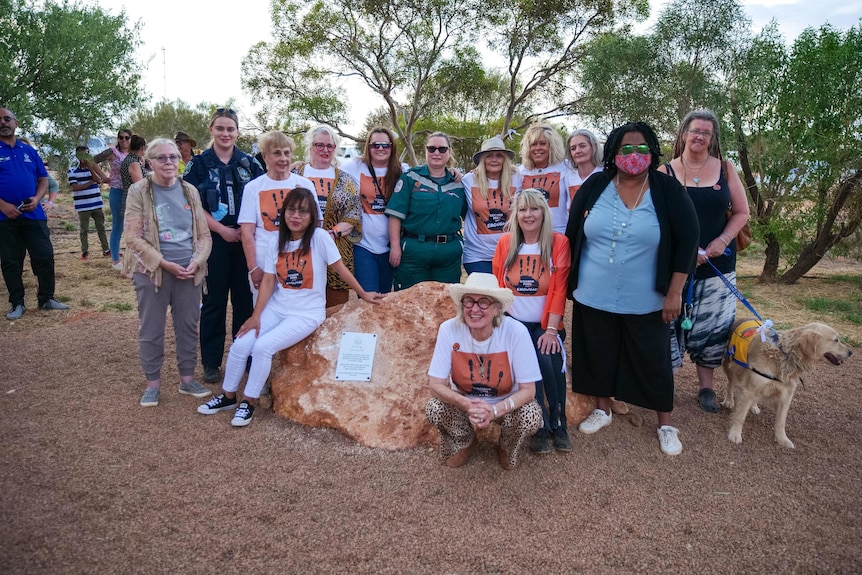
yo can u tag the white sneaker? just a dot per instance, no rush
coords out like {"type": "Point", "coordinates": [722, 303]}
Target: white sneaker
{"type": "Point", "coordinates": [118, 266]}
{"type": "Point", "coordinates": [668, 438]}
{"type": "Point", "coordinates": [595, 421]}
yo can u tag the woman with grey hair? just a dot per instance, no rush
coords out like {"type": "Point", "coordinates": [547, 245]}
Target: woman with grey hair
{"type": "Point", "coordinates": [168, 242]}
{"type": "Point", "coordinates": [714, 187]}
{"type": "Point", "coordinates": [583, 159]}
{"type": "Point", "coordinates": [338, 198]}
{"type": "Point", "coordinates": [484, 369]}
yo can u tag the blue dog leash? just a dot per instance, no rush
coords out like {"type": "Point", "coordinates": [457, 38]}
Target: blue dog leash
{"type": "Point", "coordinates": [686, 323]}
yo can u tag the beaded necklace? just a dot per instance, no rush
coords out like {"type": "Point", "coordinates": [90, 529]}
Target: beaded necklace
{"type": "Point", "coordinates": [616, 232]}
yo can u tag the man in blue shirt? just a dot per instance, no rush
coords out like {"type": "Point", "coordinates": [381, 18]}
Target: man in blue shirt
{"type": "Point", "coordinates": [23, 223]}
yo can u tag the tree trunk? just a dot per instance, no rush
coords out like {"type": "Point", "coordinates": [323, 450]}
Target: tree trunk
{"type": "Point", "coordinates": [769, 272]}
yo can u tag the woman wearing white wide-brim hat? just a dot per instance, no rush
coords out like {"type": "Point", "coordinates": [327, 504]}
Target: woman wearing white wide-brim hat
{"type": "Point", "coordinates": [484, 369]}
{"type": "Point", "coordinates": [489, 189]}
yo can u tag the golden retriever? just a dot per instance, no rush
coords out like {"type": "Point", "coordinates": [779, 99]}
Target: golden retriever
{"type": "Point", "coordinates": [774, 370]}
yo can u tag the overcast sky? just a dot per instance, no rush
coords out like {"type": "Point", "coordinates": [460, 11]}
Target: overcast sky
{"type": "Point", "coordinates": [204, 44]}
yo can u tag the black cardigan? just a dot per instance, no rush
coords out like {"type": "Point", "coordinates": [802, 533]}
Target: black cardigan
{"type": "Point", "coordinates": [677, 248]}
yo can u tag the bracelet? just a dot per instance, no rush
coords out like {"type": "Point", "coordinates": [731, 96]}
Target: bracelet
{"type": "Point", "coordinates": [511, 404]}
{"type": "Point", "coordinates": [723, 237]}
{"type": "Point", "coordinates": [495, 410]}
{"type": "Point", "coordinates": [552, 328]}
{"type": "Point", "coordinates": [254, 269]}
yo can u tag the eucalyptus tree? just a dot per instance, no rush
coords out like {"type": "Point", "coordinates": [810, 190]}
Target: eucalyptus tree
{"type": "Point", "coordinates": [68, 68]}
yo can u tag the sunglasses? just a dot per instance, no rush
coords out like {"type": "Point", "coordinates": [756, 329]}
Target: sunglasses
{"type": "Point", "coordinates": [124, 137]}
{"type": "Point", "coordinates": [7, 118]}
{"type": "Point", "coordinates": [172, 158]}
{"type": "Point", "coordinates": [321, 146]}
{"type": "Point", "coordinates": [230, 111]}
{"type": "Point", "coordinates": [629, 149]}
{"type": "Point", "coordinates": [380, 146]}
{"type": "Point", "coordinates": [438, 149]}
{"type": "Point", "coordinates": [482, 302]}
{"type": "Point", "coordinates": [294, 211]}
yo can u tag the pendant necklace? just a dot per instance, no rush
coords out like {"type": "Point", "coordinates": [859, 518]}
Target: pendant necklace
{"type": "Point", "coordinates": [695, 178]}
{"type": "Point", "coordinates": [483, 363]}
{"type": "Point", "coordinates": [616, 233]}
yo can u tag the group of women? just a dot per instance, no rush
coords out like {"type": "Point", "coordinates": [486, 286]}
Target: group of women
{"type": "Point", "coordinates": [638, 235]}
{"type": "Point", "coordinates": [616, 232]}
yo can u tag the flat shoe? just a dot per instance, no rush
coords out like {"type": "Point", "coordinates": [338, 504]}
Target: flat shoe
{"type": "Point", "coordinates": [708, 402]}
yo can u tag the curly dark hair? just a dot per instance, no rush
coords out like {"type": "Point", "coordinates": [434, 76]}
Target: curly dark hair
{"type": "Point", "coordinates": [613, 144]}
{"type": "Point", "coordinates": [299, 199]}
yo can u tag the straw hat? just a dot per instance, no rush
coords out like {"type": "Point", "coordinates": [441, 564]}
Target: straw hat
{"type": "Point", "coordinates": [479, 283]}
{"type": "Point", "coordinates": [494, 144]}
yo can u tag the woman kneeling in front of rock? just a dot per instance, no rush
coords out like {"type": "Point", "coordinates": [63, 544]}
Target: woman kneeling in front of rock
{"type": "Point", "coordinates": [484, 369]}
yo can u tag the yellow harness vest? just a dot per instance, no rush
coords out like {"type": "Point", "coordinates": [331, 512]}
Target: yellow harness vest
{"type": "Point", "coordinates": [740, 339]}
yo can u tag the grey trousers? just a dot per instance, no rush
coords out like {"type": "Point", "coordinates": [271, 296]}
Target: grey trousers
{"type": "Point", "coordinates": [184, 298]}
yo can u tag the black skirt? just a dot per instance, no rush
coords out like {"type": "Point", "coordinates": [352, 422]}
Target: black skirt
{"type": "Point", "coordinates": [623, 356]}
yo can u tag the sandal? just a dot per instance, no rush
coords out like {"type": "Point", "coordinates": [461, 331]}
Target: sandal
{"type": "Point", "coordinates": [707, 400]}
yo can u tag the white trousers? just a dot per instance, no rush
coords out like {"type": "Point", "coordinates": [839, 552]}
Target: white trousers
{"type": "Point", "coordinates": [277, 332]}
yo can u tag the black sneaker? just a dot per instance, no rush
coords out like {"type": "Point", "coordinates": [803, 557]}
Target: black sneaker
{"type": "Point", "coordinates": [211, 374]}
{"type": "Point", "coordinates": [216, 404]}
{"type": "Point", "coordinates": [243, 414]}
{"type": "Point", "coordinates": [561, 440]}
{"type": "Point", "coordinates": [541, 442]}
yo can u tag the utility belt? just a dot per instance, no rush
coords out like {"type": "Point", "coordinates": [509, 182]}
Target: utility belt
{"type": "Point", "coordinates": [438, 239]}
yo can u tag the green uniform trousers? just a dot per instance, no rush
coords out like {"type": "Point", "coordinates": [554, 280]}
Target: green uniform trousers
{"type": "Point", "coordinates": [427, 261]}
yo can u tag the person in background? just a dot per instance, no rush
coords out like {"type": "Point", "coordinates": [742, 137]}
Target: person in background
{"type": "Point", "coordinates": [425, 213]}
{"type": "Point", "coordinates": [543, 168]}
{"type": "Point", "coordinates": [262, 200]}
{"type": "Point", "coordinates": [533, 262]}
{"type": "Point", "coordinates": [84, 181]}
{"type": "Point", "coordinates": [23, 223]}
{"type": "Point", "coordinates": [377, 171]}
{"type": "Point", "coordinates": [291, 303]}
{"type": "Point", "coordinates": [339, 201]}
{"type": "Point", "coordinates": [712, 184]}
{"type": "Point", "coordinates": [220, 174]}
{"type": "Point", "coordinates": [167, 246]}
{"type": "Point", "coordinates": [186, 146]}
{"type": "Point", "coordinates": [584, 158]}
{"type": "Point", "coordinates": [115, 156]}
{"type": "Point", "coordinates": [633, 232]}
{"type": "Point", "coordinates": [489, 190]}
{"type": "Point", "coordinates": [483, 370]}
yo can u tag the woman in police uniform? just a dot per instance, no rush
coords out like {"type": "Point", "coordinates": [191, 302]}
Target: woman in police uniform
{"type": "Point", "coordinates": [220, 174]}
{"type": "Point", "coordinates": [425, 213]}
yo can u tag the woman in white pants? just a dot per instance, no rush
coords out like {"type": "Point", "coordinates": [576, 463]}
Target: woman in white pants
{"type": "Point", "coordinates": [291, 303]}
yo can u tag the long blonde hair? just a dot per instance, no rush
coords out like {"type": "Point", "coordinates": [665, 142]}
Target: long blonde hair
{"type": "Point", "coordinates": [529, 198]}
{"type": "Point", "coordinates": [504, 183]}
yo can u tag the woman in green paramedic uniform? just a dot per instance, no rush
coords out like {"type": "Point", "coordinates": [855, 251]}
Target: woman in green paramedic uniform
{"type": "Point", "coordinates": [425, 214]}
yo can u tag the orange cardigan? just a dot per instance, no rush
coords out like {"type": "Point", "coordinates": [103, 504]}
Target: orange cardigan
{"type": "Point", "coordinates": [561, 260]}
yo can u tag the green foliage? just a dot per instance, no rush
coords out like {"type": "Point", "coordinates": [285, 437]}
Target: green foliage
{"type": "Point", "coordinates": [166, 118]}
{"type": "Point", "coordinates": [70, 66]}
{"type": "Point", "coordinates": [541, 43]}
{"type": "Point", "coordinates": [849, 310]}
{"type": "Point", "coordinates": [803, 138]}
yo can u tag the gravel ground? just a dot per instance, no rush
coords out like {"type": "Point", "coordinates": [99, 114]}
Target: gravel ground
{"type": "Point", "coordinates": [94, 483]}
{"type": "Point", "coordinates": [90, 482]}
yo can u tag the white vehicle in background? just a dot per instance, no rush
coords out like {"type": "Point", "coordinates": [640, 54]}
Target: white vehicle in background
{"type": "Point", "coordinates": [347, 152]}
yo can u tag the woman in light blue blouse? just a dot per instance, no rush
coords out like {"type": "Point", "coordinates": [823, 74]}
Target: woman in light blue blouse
{"type": "Point", "coordinates": [633, 233]}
